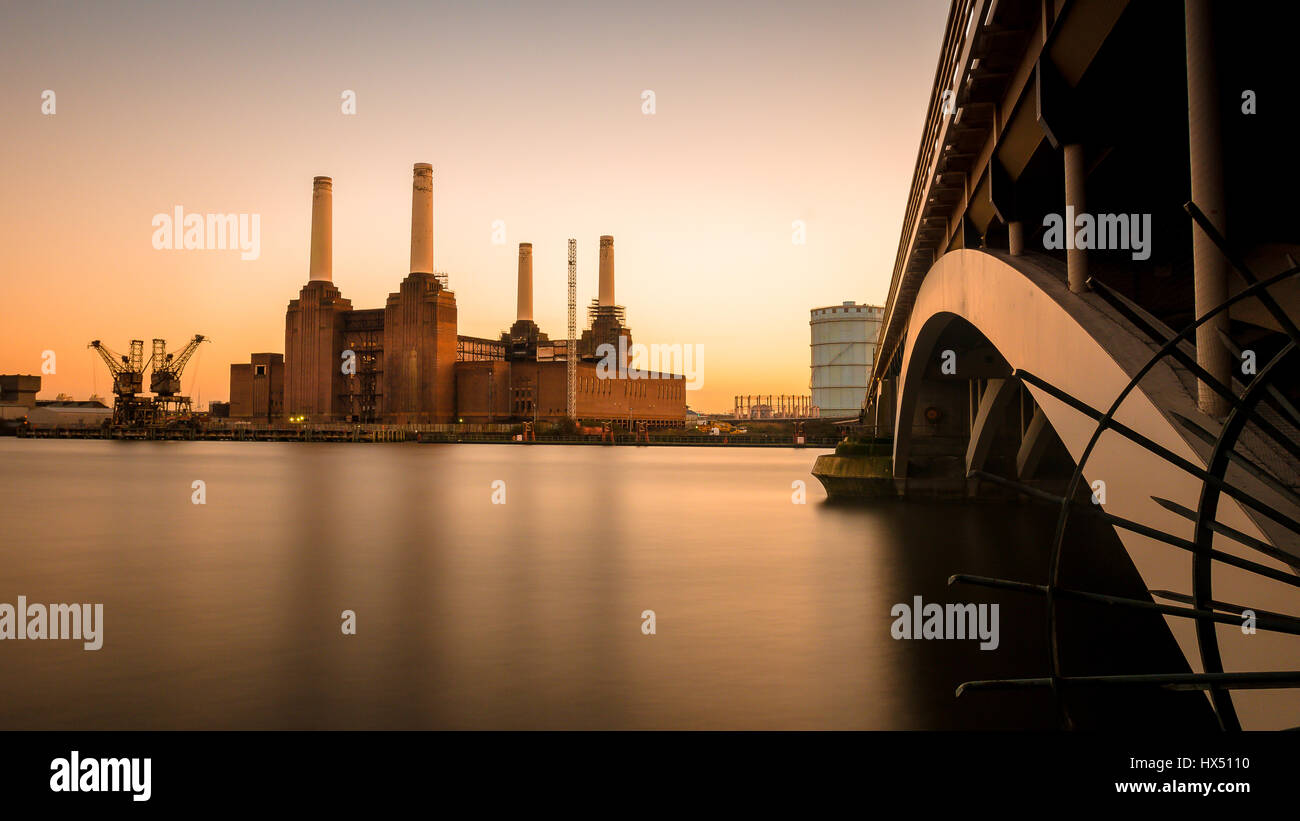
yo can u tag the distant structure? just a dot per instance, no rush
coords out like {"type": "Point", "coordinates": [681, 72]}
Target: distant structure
{"type": "Point", "coordinates": [405, 364]}
{"type": "Point", "coordinates": [326, 341]}
{"type": "Point", "coordinates": [131, 408]}
{"type": "Point", "coordinates": [774, 407]}
{"type": "Point", "coordinates": [605, 317]}
{"type": "Point", "coordinates": [843, 351]}
{"type": "Point", "coordinates": [524, 336]}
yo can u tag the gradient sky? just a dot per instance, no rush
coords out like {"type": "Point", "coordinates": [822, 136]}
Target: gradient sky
{"type": "Point", "coordinates": [766, 113]}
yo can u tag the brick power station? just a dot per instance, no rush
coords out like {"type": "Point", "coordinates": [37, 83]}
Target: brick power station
{"type": "Point", "coordinates": [408, 365]}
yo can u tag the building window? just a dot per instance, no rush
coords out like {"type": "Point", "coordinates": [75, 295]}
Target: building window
{"type": "Point", "coordinates": [259, 370]}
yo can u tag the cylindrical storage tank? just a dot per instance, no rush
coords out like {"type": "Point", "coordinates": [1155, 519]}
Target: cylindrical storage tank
{"type": "Point", "coordinates": [843, 351]}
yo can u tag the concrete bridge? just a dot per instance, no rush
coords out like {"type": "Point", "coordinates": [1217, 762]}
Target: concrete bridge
{"type": "Point", "coordinates": [1095, 176]}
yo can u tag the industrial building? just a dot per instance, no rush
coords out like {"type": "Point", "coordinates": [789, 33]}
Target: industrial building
{"type": "Point", "coordinates": [405, 364]}
{"type": "Point", "coordinates": [782, 406]}
{"type": "Point", "coordinates": [843, 351]}
{"type": "Point", "coordinates": [19, 405]}
{"type": "Point", "coordinates": [19, 389]}
{"type": "Point", "coordinates": [256, 388]}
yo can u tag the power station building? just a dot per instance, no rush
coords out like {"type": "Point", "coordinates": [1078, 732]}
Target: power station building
{"type": "Point", "coordinates": [404, 363]}
{"type": "Point", "coordinates": [843, 351]}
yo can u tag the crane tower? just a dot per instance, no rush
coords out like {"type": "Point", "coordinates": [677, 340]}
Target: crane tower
{"type": "Point", "coordinates": [128, 381]}
{"type": "Point", "coordinates": [571, 350]}
{"type": "Point", "coordinates": [165, 381]}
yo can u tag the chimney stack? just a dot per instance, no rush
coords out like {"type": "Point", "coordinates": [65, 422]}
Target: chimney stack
{"type": "Point", "coordinates": [322, 230]}
{"type": "Point", "coordinates": [422, 219]}
{"type": "Point", "coordinates": [525, 282]}
{"type": "Point", "coordinates": [606, 270]}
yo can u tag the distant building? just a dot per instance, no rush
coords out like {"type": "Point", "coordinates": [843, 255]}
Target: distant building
{"type": "Point", "coordinates": [843, 352]}
{"type": "Point", "coordinates": [404, 363]}
{"type": "Point", "coordinates": [17, 398]}
{"type": "Point", "coordinates": [257, 388]}
{"type": "Point", "coordinates": [19, 389]}
{"type": "Point", "coordinates": [69, 413]}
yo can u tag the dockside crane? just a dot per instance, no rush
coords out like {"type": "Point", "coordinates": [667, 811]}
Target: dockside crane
{"type": "Point", "coordinates": [128, 381]}
{"type": "Point", "coordinates": [165, 381]}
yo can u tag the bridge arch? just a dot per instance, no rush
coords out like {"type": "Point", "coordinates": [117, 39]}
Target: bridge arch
{"type": "Point", "coordinates": [1016, 313]}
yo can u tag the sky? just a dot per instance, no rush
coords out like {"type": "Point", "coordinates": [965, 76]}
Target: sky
{"type": "Point", "coordinates": [767, 117]}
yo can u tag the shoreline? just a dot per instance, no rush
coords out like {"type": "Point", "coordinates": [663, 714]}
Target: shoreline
{"type": "Point", "coordinates": [421, 437]}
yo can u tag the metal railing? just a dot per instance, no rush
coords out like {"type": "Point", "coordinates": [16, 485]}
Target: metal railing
{"type": "Point", "coordinates": [961, 21]}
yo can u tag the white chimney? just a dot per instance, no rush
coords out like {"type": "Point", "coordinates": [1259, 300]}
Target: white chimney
{"type": "Point", "coordinates": [525, 281]}
{"type": "Point", "coordinates": [606, 270]}
{"type": "Point", "coordinates": [422, 219]}
{"type": "Point", "coordinates": [322, 229]}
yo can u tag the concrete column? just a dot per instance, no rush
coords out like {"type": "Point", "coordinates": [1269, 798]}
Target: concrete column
{"type": "Point", "coordinates": [606, 270]}
{"type": "Point", "coordinates": [1016, 237]}
{"type": "Point", "coordinates": [422, 219]}
{"type": "Point", "coordinates": [1076, 259]}
{"type": "Point", "coordinates": [1206, 161]}
{"type": "Point", "coordinates": [322, 229]}
{"type": "Point", "coordinates": [525, 281]}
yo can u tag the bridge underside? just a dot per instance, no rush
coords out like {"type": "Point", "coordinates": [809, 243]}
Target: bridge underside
{"type": "Point", "coordinates": [957, 406]}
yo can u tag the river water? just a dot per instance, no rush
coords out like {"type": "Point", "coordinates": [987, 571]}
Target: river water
{"type": "Point", "coordinates": [769, 614]}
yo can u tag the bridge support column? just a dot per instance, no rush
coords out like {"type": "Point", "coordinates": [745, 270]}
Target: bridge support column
{"type": "Point", "coordinates": [1016, 237]}
{"type": "Point", "coordinates": [997, 396]}
{"type": "Point", "coordinates": [1033, 445]}
{"type": "Point", "coordinates": [1206, 160]}
{"type": "Point", "coordinates": [1076, 259]}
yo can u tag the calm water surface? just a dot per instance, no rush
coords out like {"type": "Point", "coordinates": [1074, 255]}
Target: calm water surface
{"type": "Point", "coordinates": [479, 615]}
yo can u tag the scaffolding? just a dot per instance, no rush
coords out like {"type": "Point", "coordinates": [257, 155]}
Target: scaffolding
{"type": "Point", "coordinates": [479, 349]}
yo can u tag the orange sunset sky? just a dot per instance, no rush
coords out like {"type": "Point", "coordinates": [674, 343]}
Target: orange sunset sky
{"type": "Point", "coordinates": [530, 113]}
